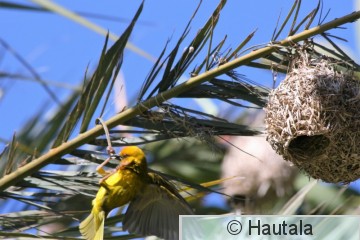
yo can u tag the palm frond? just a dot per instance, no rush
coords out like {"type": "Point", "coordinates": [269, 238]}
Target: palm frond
{"type": "Point", "coordinates": [173, 71]}
{"type": "Point", "coordinates": [27, 7]}
{"type": "Point", "coordinates": [108, 68]}
{"type": "Point", "coordinates": [171, 132]}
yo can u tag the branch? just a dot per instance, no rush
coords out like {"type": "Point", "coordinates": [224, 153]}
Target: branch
{"type": "Point", "coordinates": [128, 114]}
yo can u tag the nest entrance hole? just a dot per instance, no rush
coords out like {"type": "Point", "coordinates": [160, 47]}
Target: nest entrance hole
{"type": "Point", "coordinates": [306, 147]}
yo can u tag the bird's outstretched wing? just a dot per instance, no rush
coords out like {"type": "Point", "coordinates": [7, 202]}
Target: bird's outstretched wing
{"type": "Point", "coordinates": [156, 210]}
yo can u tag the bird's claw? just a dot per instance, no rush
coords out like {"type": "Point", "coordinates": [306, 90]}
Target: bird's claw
{"type": "Point", "coordinates": [110, 150]}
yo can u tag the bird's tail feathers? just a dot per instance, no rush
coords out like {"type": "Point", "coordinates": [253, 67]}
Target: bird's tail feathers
{"type": "Point", "coordinates": [92, 228]}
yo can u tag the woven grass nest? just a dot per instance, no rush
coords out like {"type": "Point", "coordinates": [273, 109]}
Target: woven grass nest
{"type": "Point", "coordinates": [313, 119]}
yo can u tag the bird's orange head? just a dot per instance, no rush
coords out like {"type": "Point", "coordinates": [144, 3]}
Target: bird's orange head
{"type": "Point", "coordinates": [133, 157]}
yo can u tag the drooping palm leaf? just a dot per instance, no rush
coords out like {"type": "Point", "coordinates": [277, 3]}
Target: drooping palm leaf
{"type": "Point", "coordinates": [27, 7]}
{"type": "Point", "coordinates": [108, 68]}
{"type": "Point", "coordinates": [35, 136]}
{"type": "Point", "coordinates": [176, 121]}
{"type": "Point", "coordinates": [76, 18]}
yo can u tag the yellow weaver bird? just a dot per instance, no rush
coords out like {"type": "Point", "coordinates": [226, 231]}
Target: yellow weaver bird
{"type": "Point", "coordinates": [155, 204]}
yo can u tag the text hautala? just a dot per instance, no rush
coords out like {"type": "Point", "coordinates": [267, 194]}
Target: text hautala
{"type": "Point", "coordinates": [279, 228]}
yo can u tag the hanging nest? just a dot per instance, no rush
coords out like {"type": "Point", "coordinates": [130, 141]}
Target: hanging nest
{"type": "Point", "coordinates": [313, 119]}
